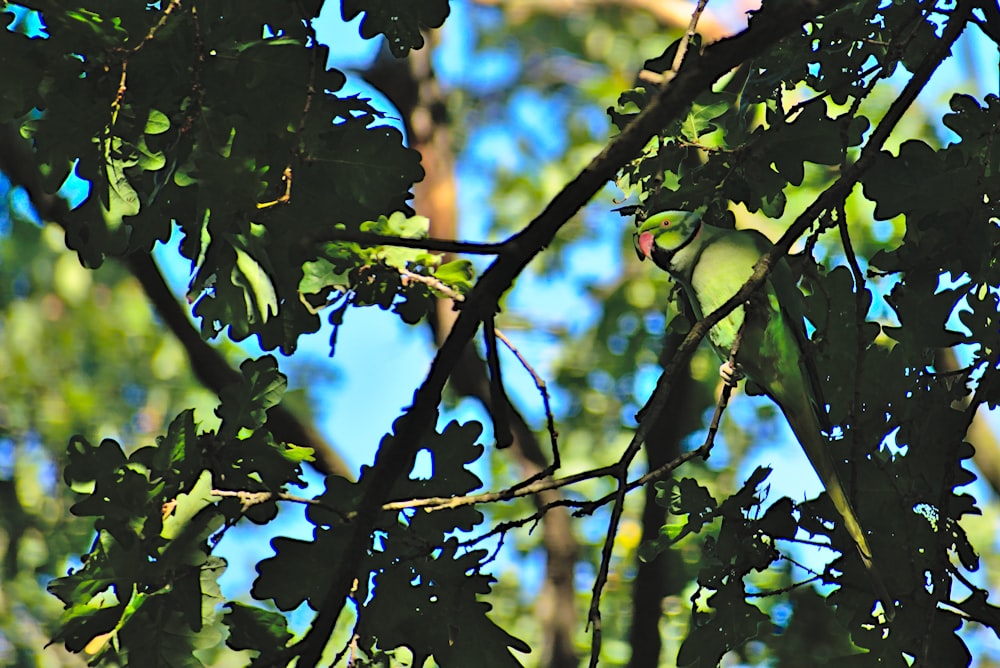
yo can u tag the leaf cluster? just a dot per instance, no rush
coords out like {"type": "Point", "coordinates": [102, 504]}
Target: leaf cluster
{"type": "Point", "coordinates": [227, 124]}
{"type": "Point", "coordinates": [148, 588]}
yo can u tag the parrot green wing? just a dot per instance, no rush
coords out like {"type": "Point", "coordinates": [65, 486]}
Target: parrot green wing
{"type": "Point", "coordinates": [712, 265]}
{"type": "Point", "coordinates": [790, 300]}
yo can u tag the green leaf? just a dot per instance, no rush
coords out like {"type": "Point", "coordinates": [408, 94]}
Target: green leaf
{"type": "Point", "coordinates": [321, 275]}
{"type": "Point", "coordinates": [245, 404]}
{"type": "Point", "coordinates": [253, 628]}
{"type": "Point", "coordinates": [700, 120]}
{"type": "Point", "coordinates": [734, 623]}
{"type": "Point", "coordinates": [923, 314]}
{"type": "Point", "coordinates": [433, 609]}
{"type": "Point", "coordinates": [89, 463]}
{"type": "Point", "coordinates": [177, 455]}
{"type": "Point", "coordinates": [156, 123]}
{"type": "Point", "coordinates": [188, 505]}
{"type": "Point", "coordinates": [457, 274]}
{"type": "Point", "coordinates": [779, 521]}
{"type": "Point", "coordinates": [249, 274]}
{"type": "Point", "coordinates": [913, 182]}
{"type": "Point", "coordinates": [280, 578]}
{"type": "Point", "coordinates": [687, 497]}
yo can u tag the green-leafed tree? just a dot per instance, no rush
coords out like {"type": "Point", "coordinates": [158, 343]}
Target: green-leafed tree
{"type": "Point", "coordinates": [294, 202]}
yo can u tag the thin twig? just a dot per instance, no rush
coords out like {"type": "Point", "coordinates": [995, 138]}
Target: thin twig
{"type": "Point", "coordinates": [425, 243]}
{"type": "Point", "coordinates": [498, 395]}
{"type": "Point", "coordinates": [286, 197]}
{"type": "Point", "coordinates": [438, 285]}
{"type": "Point", "coordinates": [688, 36]}
{"type": "Point", "coordinates": [120, 93]}
{"type": "Point", "coordinates": [174, 4]}
{"type": "Point", "coordinates": [662, 78]}
{"type": "Point", "coordinates": [727, 387]}
{"type": "Point", "coordinates": [550, 420]}
{"type": "Point", "coordinates": [300, 149]}
{"type": "Point", "coordinates": [432, 282]}
{"type": "Point", "coordinates": [784, 590]}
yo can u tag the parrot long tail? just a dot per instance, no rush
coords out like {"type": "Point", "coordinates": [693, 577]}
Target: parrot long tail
{"type": "Point", "coordinates": [806, 428]}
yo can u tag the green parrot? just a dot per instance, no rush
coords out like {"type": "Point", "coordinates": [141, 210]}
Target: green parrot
{"type": "Point", "coordinates": [712, 264]}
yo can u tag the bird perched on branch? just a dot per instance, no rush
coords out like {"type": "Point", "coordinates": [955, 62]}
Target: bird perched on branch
{"type": "Point", "coordinates": [711, 264]}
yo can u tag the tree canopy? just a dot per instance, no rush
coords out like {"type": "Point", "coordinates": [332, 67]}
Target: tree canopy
{"type": "Point", "coordinates": [222, 136]}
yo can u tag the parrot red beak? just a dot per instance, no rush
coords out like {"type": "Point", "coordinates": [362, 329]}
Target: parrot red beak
{"type": "Point", "coordinates": [644, 245]}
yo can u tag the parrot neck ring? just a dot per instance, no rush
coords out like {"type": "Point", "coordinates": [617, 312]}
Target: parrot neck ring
{"type": "Point", "coordinates": [687, 240]}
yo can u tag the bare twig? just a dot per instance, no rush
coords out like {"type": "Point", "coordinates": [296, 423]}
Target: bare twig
{"type": "Point", "coordinates": [285, 197]}
{"type": "Point", "coordinates": [727, 387]}
{"type": "Point", "coordinates": [250, 499]}
{"type": "Point", "coordinates": [688, 36]}
{"type": "Point", "coordinates": [299, 149]}
{"type": "Point", "coordinates": [425, 243]}
{"type": "Point", "coordinates": [661, 79]}
{"type": "Point", "coordinates": [120, 92]}
{"type": "Point", "coordinates": [174, 4]}
{"type": "Point", "coordinates": [498, 395]}
{"type": "Point", "coordinates": [451, 293]}
{"type": "Point", "coordinates": [550, 421]}
{"type": "Point", "coordinates": [432, 282]}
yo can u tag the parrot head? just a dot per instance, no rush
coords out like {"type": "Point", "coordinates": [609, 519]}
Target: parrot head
{"type": "Point", "coordinates": [659, 238]}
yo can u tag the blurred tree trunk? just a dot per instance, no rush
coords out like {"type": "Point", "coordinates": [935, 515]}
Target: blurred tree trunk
{"type": "Point", "coordinates": [665, 575]}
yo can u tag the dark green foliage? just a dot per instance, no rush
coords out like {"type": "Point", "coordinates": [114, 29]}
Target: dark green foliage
{"type": "Point", "coordinates": [745, 162]}
{"type": "Point", "coordinates": [738, 549]}
{"type": "Point", "coordinates": [263, 631]}
{"type": "Point", "coordinates": [399, 20]}
{"type": "Point", "coordinates": [149, 581]}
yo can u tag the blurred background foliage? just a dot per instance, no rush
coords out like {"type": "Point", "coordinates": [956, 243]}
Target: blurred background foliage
{"type": "Point", "coordinates": [80, 352]}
